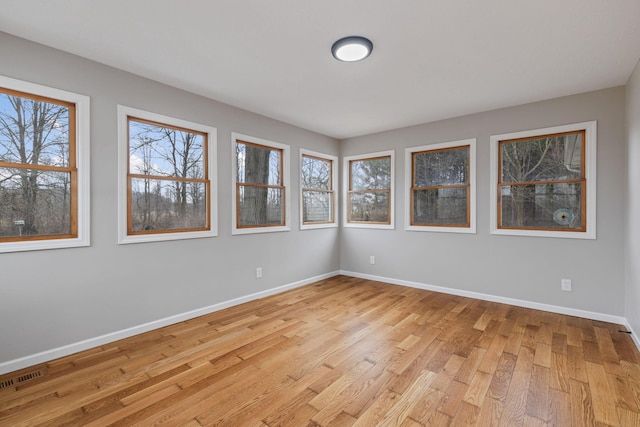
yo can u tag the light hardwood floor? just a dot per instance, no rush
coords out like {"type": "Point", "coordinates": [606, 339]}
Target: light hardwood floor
{"type": "Point", "coordinates": [345, 352]}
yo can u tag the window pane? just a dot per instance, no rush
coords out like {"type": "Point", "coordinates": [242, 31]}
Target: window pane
{"type": "Point", "coordinates": [556, 157]}
{"type": "Point", "coordinates": [163, 151]}
{"type": "Point", "coordinates": [33, 132]}
{"type": "Point", "coordinates": [440, 206]}
{"type": "Point", "coordinates": [442, 167]}
{"type": "Point", "coordinates": [316, 206]}
{"type": "Point", "coordinates": [34, 203]}
{"type": "Point", "coordinates": [258, 164]}
{"type": "Point", "coordinates": [158, 205]}
{"type": "Point", "coordinates": [550, 206]}
{"type": "Point", "coordinates": [260, 206]}
{"type": "Point", "coordinates": [316, 173]}
{"type": "Point", "coordinates": [371, 174]}
{"type": "Point", "coordinates": [369, 207]}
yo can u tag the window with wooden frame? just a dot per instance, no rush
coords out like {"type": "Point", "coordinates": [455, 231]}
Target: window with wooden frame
{"type": "Point", "coordinates": [369, 198]}
{"type": "Point", "coordinates": [261, 181]}
{"type": "Point", "coordinates": [166, 194]}
{"type": "Point", "coordinates": [441, 192]}
{"type": "Point", "coordinates": [545, 182]}
{"type": "Point", "coordinates": [318, 176]}
{"type": "Point", "coordinates": [44, 167]}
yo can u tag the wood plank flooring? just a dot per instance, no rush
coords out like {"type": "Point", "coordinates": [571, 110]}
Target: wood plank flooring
{"type": "Point", "coordinates": [345, 352]}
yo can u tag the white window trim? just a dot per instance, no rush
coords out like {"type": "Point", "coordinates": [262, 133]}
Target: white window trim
{"type": "Point", "coordinates": [82, 103]}
{"type": "Point", "coordinates": [345, 190]}
{"type": "Point", "coordinates": [235, 230]}
{"type": "Point", "coordinates": [123, 155]}
{"type": "Point", "coordinates": [590, 175]}
{"type": "Point", "coordinates": [334, 184]}
{"type": "Point", "coordinates": [472, 186]}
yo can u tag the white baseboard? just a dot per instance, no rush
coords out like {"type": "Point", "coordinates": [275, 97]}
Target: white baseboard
{"type": "Point", "coordinates": [634, 335]}
{"type": "Point", "coordinates": [487, 297]}
{"type": "Point", "coordinates": [48, 355]}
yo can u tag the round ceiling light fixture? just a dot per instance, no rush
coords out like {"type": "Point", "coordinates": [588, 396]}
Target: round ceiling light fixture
{"type": "Point", "coordinates": [352, 49]}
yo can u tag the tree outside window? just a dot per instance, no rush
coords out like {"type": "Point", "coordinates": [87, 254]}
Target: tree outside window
{"type": "Point", "coordinates": [168, 178]}
{"type": "Point", "coordinates": [440, 194]}
{"type": "Point", "coordinates": [368, 199]}
{"type": "Point", "coordinates": [317, 190]}
{"type": "Point", "coordinates": [440, 187]}
{"type": "Point", "coordinates": [544, 182]}
{"type": "Point", "coordinates": [260, 180]}
{"type": "Point", "coordinates": [38, 174]}
{"type": "Point", "coordinates": [259, 188]}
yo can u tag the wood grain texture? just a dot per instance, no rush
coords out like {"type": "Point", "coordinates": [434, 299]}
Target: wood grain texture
{"type": "Point", "coordinates": [344, 352]}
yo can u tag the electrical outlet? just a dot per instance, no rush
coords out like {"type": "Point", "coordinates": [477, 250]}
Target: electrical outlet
{"type": "Point", "coordinates": [259, 273]}
{"type": "Point", "coordinates": [566, 285]}
{"type": "Point", "coordinates": [372, 260]}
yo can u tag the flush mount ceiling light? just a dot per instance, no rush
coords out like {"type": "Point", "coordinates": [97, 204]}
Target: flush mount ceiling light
{"type": "Point", "coordinates": [352, 48]}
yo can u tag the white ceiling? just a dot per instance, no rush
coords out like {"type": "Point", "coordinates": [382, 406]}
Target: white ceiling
{"type": "Point", "coordinates": [432, 59]}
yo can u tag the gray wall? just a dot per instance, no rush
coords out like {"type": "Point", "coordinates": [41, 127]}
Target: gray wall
{"type": "Point", "coordinates": [633, 200]}
{"type": "Point", "coordinates": [526, 268]}
{"type": "Point", "coordinates": [53, 298]}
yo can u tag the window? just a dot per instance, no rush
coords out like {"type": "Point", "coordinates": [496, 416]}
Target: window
{"type": "Point", "coordinates": [165, 185]}
{"type": "Point", "coordinates": [441, 187]}
{"type": "Point", "coordinates": [44, 167]}
{"type": "Point", "coordinates": [369, 200]}
{"type": "Point", "coordinates": [318, 176]}
{"type": "Point", "coordinates": [543, 182]}
{"type": "Point", "coordinates": [261, 179]}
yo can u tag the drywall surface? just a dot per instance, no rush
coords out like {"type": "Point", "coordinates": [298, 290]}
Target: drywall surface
{"type": "Point", "coordinates": [633, 202]}
{"type": "Point", "coordinates": [525, 268]}
{"type": "Point", "coordinates": [55, 298]}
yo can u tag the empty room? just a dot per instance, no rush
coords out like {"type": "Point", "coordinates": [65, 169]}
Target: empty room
{"type": "Point", "coordinates": [329, 213]}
